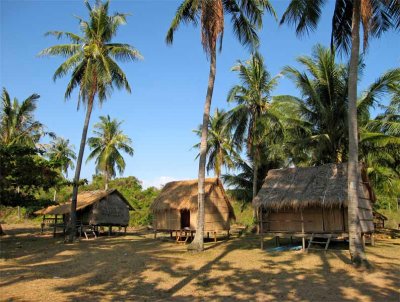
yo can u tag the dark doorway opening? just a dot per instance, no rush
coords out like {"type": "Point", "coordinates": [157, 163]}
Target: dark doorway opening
{"type": "Point", "coordinates": [185, 219]}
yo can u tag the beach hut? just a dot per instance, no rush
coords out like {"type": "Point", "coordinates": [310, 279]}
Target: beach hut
{"type": "Point", "coordinates": [175, 209]}
{"type": "Point", "coordinates": [311, 202]}
{"type": "Point", "coordinates": [94, 208]}
{"type": "Point", "coordinates": [379, 220]}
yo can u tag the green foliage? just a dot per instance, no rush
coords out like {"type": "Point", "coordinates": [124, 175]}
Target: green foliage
{"type": "Point", "coordinates": [23, 172]}
{"type": "Point", "coordinates": [17, 123]}
{"type": "Point", "coordinates": [243, 212]}
{"type": "Point", "coordinates": [106, 147]}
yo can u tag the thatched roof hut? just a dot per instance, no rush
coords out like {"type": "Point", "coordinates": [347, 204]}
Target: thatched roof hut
{"type": "Point", "coordinates": [100, 207]}
{"type": "Point", "coordinates": [312, 200]}
{"type": "Point", "coordinates": [176, 206]}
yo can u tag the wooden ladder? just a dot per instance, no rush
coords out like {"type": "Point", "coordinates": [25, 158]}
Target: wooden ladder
{"type": "Point", "coordinates": [182, 236]}
{"type": "Point", "coordinates": [312, 241]}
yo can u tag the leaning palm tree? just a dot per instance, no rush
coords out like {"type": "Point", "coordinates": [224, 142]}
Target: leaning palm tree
{"type": "Point", "coordinates": [17, 122]}
{"type": "Point", "coordinates": [106, 146]}
{"type": "Point", "coordinates": [376, 17]}
{"type": "Point", "coordinates": [220, 147]}
{"type": "Point", "coordinates": [91, 60]}
{"type": "Point", "coordinates": [246, 17]}
{"type": "Point", "coordinates": [254, 120]}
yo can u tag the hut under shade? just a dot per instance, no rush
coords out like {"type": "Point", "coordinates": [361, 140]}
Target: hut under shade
{"type": "Point", "coordinates": [175, 208]}
{"type": "Point", "coordinates": [300, 202]}
{"type": "Point", "coordinates": [94, 208]}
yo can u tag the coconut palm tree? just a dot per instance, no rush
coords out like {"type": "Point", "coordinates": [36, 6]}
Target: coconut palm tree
{"type": "Point", "coordinates": [254, 120]}
{"type": "Point", "coordinates": [376, 17]}
{"type": "Point", "coordinates": [17, 122]}
{"type": "Point", "coordinates": [91, 60]}
{"type": "Point", "coordinates": [62, 153]}
{"type": "Point", "coordinates": [220, 148]}
{"type": "Point", "coordinates": [106, 146]}
{"type": "Point", "coordinates": [246, 17]}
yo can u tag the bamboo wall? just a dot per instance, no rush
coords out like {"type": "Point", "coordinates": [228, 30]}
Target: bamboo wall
{"type": "Point", "coordinates": [216, 215]}
{"type": "Point", "coordinates": [316, 220]}
{"type": "Point", "coordinates": [111, 210]}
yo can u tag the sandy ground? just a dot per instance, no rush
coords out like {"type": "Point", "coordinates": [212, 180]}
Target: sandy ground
{"type": "Point", "coordinates": [136, 267]}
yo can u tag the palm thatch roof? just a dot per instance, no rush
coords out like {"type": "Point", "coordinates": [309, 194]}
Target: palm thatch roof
{"type": "Point", "coordinates": [324, 186]}
{"type": "Point", "coordinates": [85, 199]}
{"type": "Point", "coordinates": [179, 195]}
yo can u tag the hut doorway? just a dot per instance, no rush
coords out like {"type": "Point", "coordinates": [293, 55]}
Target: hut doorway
{"type": "Point", "coordinates": [185, 219]}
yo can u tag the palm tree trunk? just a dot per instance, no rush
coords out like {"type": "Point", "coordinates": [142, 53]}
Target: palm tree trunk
{"type": "Point", "coordinates": [198, 241]}
{"type": "Point", "coordinates": [356, 247]}
{"type": "Point", "coordinates": [255, 177]}
{"type": "Point", "coordinates": [72, 220]}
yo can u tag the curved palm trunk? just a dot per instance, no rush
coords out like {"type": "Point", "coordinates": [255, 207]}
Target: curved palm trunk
{"type": "Point", "coordinates": [72, 220]}
{"type": "Point", "coordinates": [198, 242]}
{"type": "Point", "coordinates": [356, 247]}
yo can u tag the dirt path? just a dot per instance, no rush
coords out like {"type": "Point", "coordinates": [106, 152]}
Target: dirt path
{"type": "Point", "coordinates": [136, 267]}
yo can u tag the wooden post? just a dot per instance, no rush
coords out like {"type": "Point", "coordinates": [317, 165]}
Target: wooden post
{"type": "Point", "coordinates": [291, 240]}
{"type": "Point", "coordinates": [278, 243]}
{"type": "Point", "coordinates": [228, 234]}
{"type": "Point", "coordinates": [208, 235]}
{"type": "Point", "coordinates": [155, 234]}
{"type": "Point", "coordinates": [303, 239]}
{"type": "Point", "coordinates": [109, 230]}
{"type": "Point", "coordinates": [363, 239]}
{"type": "Point", "coordinates": [170, 234]}
{"type": "Point", "coordinates": [372, 239]}
{"type": "Point", "coordinates": [261, 229]}
{"type": "Point", "coordinates": [215, 236]}
{"type": "Point", "coordinates": [55, 226]}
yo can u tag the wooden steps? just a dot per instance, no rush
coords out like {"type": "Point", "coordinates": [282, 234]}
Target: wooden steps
{"type": "Point", "coordinates": [319, 242]}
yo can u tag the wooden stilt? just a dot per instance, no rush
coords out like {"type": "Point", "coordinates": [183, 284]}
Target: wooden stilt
{"type": "Point", "coordinates": [303, 238]}
{"type": "Point", "coordinates": [227, 234]}
{"type": "Point", "coordinates": [109, 230]}
{"type": "Point", "coordinates": [373, 239]}
{"type": "Point", "coordinates": [155, 234]}
{"type": "Point", "coordinates": [215, 236]}
{"type": "Point", "coordinates": [291, 240]}
{"type": "Point", "coordinates": [261, 230]}
{"type": "Point", "coordinates": [363, 240]}
{"type": "Point", "coordinates": [208, 235]}
{"type": "Point", "coordinates": [170, 234]}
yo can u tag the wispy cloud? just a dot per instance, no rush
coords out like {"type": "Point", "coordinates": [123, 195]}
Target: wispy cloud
{"type": "Point", "coordinates": [157, 182]}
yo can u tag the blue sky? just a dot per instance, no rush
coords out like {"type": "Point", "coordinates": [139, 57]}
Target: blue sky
{"type": "Point", "coordinates": [168, 85]}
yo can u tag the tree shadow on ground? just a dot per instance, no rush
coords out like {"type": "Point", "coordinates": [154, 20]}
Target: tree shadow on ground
{"type": "Point", "coordinates": [137, 267]}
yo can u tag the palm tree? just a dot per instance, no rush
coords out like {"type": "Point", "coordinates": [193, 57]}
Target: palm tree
{"type": "Point", "coordinates": [62, 154]}
{"type": "Point", "coordinates": [17, 123]}
{"type": "Point", "coordinates": [254, 120]}
{"type": "Point", "coordinates": [220, 148]}
{"type": "Point", "coordinates": [91, 59]}
{"type": "Point", "coordinates": [376, 16]}
{"type": "Point", "coordinates": [106, 146]}
{"type": "Point", "coordinates": [322, 106]}
{"type": "Point", "coordinates": [246, 17]}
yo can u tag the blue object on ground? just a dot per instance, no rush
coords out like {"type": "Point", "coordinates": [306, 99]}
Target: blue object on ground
{"type": "Point", "coordinates": [285, 248]}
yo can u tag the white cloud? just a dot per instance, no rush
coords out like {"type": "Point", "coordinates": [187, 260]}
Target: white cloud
{"type": "Point", "coordinates": [157, 182]}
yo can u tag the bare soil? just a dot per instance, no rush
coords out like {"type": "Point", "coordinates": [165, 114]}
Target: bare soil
{"type": "Point", "coordinates": [136, 267]}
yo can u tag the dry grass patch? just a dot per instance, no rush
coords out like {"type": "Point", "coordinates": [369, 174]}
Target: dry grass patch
{"type": "Point", "coordinates": [137, 267]}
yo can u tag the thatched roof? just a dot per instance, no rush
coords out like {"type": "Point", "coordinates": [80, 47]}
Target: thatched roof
{"type": "Point", "coordinates": [181, 195]}
{"type": "Point", "coordinates": [85, 199]}
{"type": "Point", "coordinates": [324, 186]}
{"type": "Point", "coordinates": [379, 215]}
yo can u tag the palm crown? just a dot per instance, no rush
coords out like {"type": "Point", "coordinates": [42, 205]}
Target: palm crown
{"type": "Point", "coordinates": [18, 125]}
{"type": "Point", "coordinates": [106, 146]}
{"type": "Point", "coordinates": [91, 57]}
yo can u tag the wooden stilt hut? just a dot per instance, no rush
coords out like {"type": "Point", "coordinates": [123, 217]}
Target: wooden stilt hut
{"type": "Point", "coordinates": [94, 208]}
{"type": "Point", "coordinates": [175, 209]}
{"type": "Point", "coordinates": [311, 202]}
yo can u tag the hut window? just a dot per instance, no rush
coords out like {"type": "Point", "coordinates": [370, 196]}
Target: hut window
{"type": "Point", "coordinates": [185, 219]}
